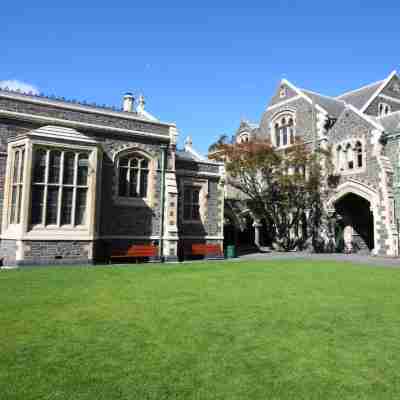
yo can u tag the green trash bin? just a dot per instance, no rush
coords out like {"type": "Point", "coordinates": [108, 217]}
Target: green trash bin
{"type": "Point", "coordinates": [230, 251]}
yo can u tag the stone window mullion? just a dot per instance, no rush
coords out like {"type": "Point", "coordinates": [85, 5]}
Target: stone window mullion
{"type": "Point", "coordinates": [46, 179]}
{"type": "Point", "coordinates": [73, 210]}
{"type": "Point", "coordinates": [61, 189]}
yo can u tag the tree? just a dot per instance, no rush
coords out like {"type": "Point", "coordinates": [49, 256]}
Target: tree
{"type": "Point", "coordinates": [286, 187]}
{"type": "Point", "coordinates": [221, 141]}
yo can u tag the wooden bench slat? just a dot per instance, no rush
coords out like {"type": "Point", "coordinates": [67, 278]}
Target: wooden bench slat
{"type": "Point", "coordinates": [135, 251]}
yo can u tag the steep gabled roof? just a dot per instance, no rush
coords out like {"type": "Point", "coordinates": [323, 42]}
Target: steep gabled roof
{"type": "Point", "coordinates": [333, 106]}
{"type": "Point", "coordinates": [362, 97]}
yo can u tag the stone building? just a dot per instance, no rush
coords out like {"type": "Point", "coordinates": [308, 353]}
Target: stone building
{"type": "Point", "coordinates": [78, 181]}
{"type": "Point", "coordinates": [362, 127]}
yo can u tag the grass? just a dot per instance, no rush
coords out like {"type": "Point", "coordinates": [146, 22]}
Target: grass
{"type": "Point", "coordinates": [241, 330]}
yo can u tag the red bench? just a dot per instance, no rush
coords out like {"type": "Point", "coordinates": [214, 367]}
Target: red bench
{"type": "Point", "coordinates": [201, 249]}
{"type": "Point", "coordinates": [136, 251]}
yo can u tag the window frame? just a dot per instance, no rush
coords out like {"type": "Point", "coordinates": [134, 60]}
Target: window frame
{"type": "Point", "coordinates": [284, 130]}
{"type": "Point", "coordinates": [193, 205]}
{"type": "Point", "coordinates": [202, 186]}
{"type": "Point", "coordinates": [60, 186]}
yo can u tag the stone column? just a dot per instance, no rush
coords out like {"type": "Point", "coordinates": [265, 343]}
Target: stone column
{"type": "Point", "coordinates": [257, 233]}
{"type": "Point", "coordinates": [170, 249]}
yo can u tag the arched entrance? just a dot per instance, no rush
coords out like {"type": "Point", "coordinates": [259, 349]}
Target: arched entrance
{"type": "Point", "coordinates": [353, 208]}
{"type": "Point", "coordinates": [354, 229]}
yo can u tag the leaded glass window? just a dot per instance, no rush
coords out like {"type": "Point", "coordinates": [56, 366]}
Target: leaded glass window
{"type": "Point", "coordinates": [133, 176]}
{"type": "Point", "coordinates": [59, 187]}
{"type": "Point", "coordinates": [17, 185]}
{"type": "Point", "coordinates": [191, 203]}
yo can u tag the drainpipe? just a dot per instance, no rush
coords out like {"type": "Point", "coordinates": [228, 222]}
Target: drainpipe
{"type": "Point", "coordinates": [164, 149]}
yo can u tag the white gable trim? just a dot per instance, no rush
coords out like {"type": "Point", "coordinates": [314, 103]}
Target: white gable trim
{"type": "Point", "coordinates": [304, 96]}
{"type": "Point", "coordinates": [282, 103]}
{"type": "Point", "coordinates": [380, 88]}
{"type": "Point", "coordinates": [358, 89]}
{"type": "Point", "coordinates": [389, 98]}
{"type": "Point", "coordinates": [365, 117]}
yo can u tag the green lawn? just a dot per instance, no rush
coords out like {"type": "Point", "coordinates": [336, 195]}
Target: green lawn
{"type": "Point", "coordinates": [239, 330]}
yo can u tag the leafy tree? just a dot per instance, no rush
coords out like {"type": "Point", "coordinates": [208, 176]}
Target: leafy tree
{"type": "Point", "coordinates": [222, 140]}
{"type": "Point", "coordinates": [286, 187]}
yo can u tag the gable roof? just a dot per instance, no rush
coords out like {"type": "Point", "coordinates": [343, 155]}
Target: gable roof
{"type": "Point", "coordinates": [333, 106]}
{"type": "Point", "coordinates": [362, 97]}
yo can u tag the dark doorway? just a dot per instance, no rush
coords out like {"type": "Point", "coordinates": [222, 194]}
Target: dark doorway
{"type": "Point", "coordinates": [353, 210]}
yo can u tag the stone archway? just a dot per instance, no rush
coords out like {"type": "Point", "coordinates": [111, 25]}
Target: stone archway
{"type": "Point", "coordinates": [355, 208]}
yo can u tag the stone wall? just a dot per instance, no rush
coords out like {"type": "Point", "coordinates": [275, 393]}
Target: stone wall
{"type": "Point", "coordinates": [305, 128]}
{"type": "Point", "coordinates": [57, 252]}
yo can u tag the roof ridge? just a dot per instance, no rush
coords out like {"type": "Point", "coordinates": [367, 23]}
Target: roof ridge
{"type": "Point", "coordinates": [360, 88]}
{"type": "Point", "coordinates": [322, 95]}
{"type": "Point", "coordinates": [61, 99]}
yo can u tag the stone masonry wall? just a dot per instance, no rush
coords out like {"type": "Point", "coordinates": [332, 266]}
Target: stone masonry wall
{"type": "Point", "coordinates": [304, 119]}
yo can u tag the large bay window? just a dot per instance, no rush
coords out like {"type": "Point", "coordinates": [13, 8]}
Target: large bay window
{"type": "Point", "coordinates": [59, 187]}
{"type": "Point", "coordinates": [50, 186]}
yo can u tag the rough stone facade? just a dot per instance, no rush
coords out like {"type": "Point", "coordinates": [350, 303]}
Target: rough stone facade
{"type": "Point", "coordinates": [113, 221]}
{"type": "Point", "coordinates": [365, 142]}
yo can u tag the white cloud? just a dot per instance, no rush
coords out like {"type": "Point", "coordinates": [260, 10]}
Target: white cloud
{"type": "Point", "coordinates": [18, 85]}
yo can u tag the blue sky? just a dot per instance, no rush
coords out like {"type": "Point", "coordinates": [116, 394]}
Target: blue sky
{"type": "Point", "coordinates": [204, 65]}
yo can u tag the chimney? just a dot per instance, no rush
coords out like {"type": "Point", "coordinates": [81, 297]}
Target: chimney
{"type": "Point", "coordinates": [188, 144]}
{"type": "Point", "coordinates": [140, 107]}
{"type": "Point", "coordinates": [127, 104]}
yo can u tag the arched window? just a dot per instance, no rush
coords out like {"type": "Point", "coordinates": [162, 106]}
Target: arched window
{"type": "Point", "coordinates": [349, 157]}
{"type": "Point", "coordinates": [133, 176]}
{"type": "Point", "coordinates": [284, 131]}
{"type": "Point", "coordinates": [243, 138]}
{"type": "Point", "coordinates": [384, 109]}
{"type": "Point", "coordinates": [359, 155]}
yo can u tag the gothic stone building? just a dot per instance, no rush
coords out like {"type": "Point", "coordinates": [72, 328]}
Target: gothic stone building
{"type": "Point", "coordinates": [78, 181]}
{"type": "Point", "coordinates": [362, 127]}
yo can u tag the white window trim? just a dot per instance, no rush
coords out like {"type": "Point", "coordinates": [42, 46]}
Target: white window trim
{"type": "Point", "coordinates": [202, 185]}
{"type": "Point", "coordinates": [277, 118]}
{"type": "Point", "coordinates": [152, 168]}
{"type": "Point", "coordinates": [341, 165]}
{"type": "Point", "coordinates": [26, 231]}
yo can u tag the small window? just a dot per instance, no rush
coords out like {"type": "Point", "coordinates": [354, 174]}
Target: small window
{"type": "Point", "coordinates": [191, 204]}
{"type": "Point", "coordinates": [384, 109]}
{"type": "Point", "coordinates": [133, 176]}
{"type": "Point", "coordinates": [282, 92]}
{"type": "Point", "coordinates": [359, 155]}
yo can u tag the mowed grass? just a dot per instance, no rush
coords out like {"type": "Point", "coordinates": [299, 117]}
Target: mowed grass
{"type": "Point", "coordinates": [238, 330]}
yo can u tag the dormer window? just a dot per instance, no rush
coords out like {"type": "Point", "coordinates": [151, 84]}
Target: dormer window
{"type": "Point", "coordinates": [384, 109]}
{"type": "Point", "coordinates": [243, 138]}
{"type": "Point", "coordinates": [284, 131]}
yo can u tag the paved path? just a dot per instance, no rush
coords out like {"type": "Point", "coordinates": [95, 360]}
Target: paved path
{"type": "Point", "coordinates": [353, 258]}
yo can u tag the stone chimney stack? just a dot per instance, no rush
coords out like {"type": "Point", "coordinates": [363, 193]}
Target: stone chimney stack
{"type": "Point", "coordinates": [127, 104]}
{"type": "Point", "coordinates": [140, 107]}
{"type": "Point", "coordinates": [188, 144]}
